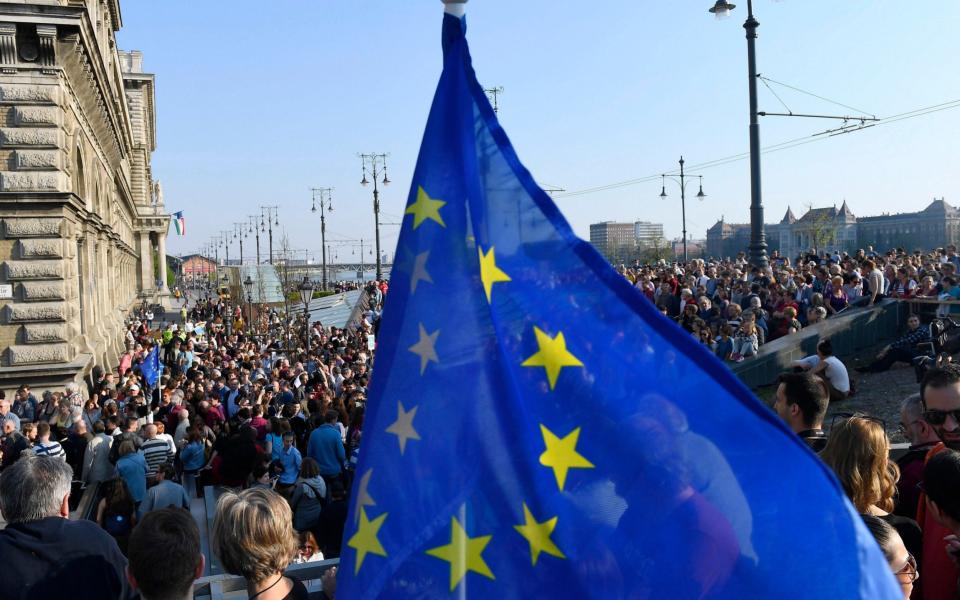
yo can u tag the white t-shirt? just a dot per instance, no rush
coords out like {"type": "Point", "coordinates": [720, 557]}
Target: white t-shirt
{"type": "Point", "coordinates": [877, 282]}
{"type": "Point", "coordinates": [836, 371]}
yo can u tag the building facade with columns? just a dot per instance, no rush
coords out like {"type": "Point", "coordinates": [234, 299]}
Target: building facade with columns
{"type": "Point", "coordinates": [82, 222]}
{"type": "Point", "coordinates": [833, 229]}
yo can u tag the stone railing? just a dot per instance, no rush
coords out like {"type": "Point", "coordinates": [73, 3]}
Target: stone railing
{"type": "Point", "coordinates": [222, 587]}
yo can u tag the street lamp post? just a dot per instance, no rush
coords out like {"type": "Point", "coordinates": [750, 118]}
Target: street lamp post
{"type": "Point", "coordinates": [758, 242]}
{"type": "Point", "coordinates": [225, 239]}
{"type": "Point", "coordinates": [682, 182]}
{"type": "Point", "coordinates": [321, 192]}
{"type": "Point", "coordinates": [306, 296]}
{"type": "Point", "coordinates": [238, 235]}
{"type": "Point", "coordinates": [254, 228]}
{"type": "Point", "coordinates": [375, 160]}
{"type": "Point", "coordinates": [248, 285]}
{"type": "Point", "coordinates": [223, 283]}
{"type": "Point", "coordinates": [270, 211]}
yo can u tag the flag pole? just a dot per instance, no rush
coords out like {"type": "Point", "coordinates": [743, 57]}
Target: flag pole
{"type": "Point", "coordinates": [456, 8]}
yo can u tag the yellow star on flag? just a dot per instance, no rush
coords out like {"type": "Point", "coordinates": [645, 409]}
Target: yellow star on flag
{"type": "Point", "coordinates": [561, 454]}
{"type": "Point", "coordinates": [425, 208]}
{"type": "Point", "coordinates": [426, 348]}
{"type": "Point", "coordinates": [403, 426]}
{"type": "Point", "coordinates": [463, 553]}
{"type": "Point", "coordinates": [538, 535]}
{"type": "Point", "coordinates": [490, 273]}
{"type": "Point", "coordinates": [365, 540]}
{"type": "Point", "coordinates": [553, 355]}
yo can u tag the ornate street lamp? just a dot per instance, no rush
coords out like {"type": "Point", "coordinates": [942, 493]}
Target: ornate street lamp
{"type": "Point", "coordinates": [682, 182]}
{"type": "Point", "coordinates": [758, 242]}
{"type": "Point", "coordinates": [306, 296]}
{"type": "Point", "coordinates": [248, 285]}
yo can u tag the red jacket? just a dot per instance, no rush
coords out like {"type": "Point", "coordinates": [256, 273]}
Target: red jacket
{"type": "Point", "coordinates": [938, 575]}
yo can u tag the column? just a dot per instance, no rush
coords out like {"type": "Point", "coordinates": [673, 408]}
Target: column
{"type": "Point", "coordinates": [147, 284]}
{"type": "Point", "coordinates": [162, 259]}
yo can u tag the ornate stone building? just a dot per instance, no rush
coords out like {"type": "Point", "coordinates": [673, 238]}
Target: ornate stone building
{"type": "Point", "coordinates": [83, 223]}
{"type": "Point", "coordinates": [838, 229]}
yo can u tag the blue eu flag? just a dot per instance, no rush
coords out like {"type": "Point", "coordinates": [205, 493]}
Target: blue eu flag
{"type": "Point", "coordinates": [151, 367]}
{"type": "Point", "coordinates": [535, 428]}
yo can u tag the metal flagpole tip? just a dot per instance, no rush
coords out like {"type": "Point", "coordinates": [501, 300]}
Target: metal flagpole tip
{"type": "Point", "coordinates": [456, 8]}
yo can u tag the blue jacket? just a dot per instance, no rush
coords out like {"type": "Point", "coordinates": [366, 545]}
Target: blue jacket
{"type": "Point", "coordinates": [133, 469]}
{"type": "Point", "coordinates": [326, 447]}
{"type": "Point", "coordinates": [192, 456]}
{"type": "Point", "coordinates": [291, 461]}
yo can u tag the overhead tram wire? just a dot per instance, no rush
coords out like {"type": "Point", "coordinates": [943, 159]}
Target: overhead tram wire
{"type": "Point", "coordinates": [786, 145]}
{"type": "Point", "coordinates": [765, 81]}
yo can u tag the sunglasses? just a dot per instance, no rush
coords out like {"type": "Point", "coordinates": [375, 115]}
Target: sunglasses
{"type": "Point", "coordinates": [846, 416]}
{"type": "Point", "coordinates": [939, 417]}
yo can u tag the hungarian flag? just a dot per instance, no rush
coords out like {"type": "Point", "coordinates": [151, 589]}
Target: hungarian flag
{"type": "Point", "coordinates": [179, 222]}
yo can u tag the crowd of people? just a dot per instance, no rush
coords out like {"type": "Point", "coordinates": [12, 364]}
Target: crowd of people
{"type": "Point", "coordinates": [272, 413]}
{"type": "Point", "coordinates": [735, 309]}
{"type": "Point", "coordinates": [911, 505]}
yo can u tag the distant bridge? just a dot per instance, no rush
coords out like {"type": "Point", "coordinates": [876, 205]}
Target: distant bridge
{"type": "Point", "coordinates": [315, 271]}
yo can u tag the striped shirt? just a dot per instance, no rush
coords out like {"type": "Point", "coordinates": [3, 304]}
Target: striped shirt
{"type": "Point", "coordinates": [156, 452]}
{"type": "Point", "coordinates": [51, 448]}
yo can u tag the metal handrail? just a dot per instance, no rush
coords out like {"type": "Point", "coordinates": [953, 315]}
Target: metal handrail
{"type": "Point", "coordinates": [222, 587]}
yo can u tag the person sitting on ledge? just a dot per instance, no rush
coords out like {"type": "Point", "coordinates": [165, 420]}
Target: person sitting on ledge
{"type": "Point", "coordinates": [903, 349]}
{"type": "Point", "coordinates": [829, 368]}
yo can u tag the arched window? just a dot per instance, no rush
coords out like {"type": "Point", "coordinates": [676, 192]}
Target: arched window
{"type": "Point", "coordinates": [79, 180]}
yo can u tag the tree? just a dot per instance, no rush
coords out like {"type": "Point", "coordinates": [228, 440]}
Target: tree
{"type": "Point", "coordinates": [655, 250]}
{"type": "Point", "coordinates": [821, 227]}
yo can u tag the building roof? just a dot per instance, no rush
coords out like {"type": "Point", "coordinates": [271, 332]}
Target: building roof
{"type": "Point", "coordinates": [819, 214]}
{"type": "Point", "coordinates": [722, 228]}
{"type": "Point", "coordinates": [197, 256]}
{"type": "Point", "coordinates": [845, 211]}
{"type": "Point", "coordinates": [940, 207]}
{"type": "Point", "coordinates": [788, 219]}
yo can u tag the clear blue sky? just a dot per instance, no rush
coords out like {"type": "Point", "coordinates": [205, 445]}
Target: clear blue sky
{"type": "Point", "coordinates": [259, 101]}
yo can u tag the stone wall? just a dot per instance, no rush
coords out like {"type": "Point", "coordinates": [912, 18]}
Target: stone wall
{"type": "Point", "coordinates": [849, 332]}
{"type": "Point", "coordinates": [38, 317]}
{"type": "Point", "coordinates": [77, 219]}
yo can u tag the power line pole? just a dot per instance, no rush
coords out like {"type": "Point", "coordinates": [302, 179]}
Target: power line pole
{"type": "Point", "coordinates": [376, 162]}
{"type": "Point", "coordinates": [272, 219]}
{"type": "Point", "coordinates": [319, 193]}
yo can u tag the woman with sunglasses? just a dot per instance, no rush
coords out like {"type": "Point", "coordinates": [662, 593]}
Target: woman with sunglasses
{"type": "Point", "coordinates": [857, 451]}
{"type": "Point", "coordinates": [902, 563]}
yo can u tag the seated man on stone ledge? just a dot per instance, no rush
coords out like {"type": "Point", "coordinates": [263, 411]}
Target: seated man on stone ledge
{"type": "Point", "coordinates": [829, 368]}
{"type": "Point", "coordinates": [903, 349]}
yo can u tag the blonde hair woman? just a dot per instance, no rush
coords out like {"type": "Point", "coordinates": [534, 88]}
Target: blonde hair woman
{"type": "Point", "coordinates": [857, 451]}
{"type": "Point", "coordinates": [253, 536]}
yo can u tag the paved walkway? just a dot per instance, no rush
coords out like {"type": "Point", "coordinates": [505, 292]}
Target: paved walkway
{"type": "Point", "coordinates": [879, 394]}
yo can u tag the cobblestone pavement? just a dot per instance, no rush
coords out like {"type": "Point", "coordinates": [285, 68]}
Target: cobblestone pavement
{"type": "Point", "coordinates": [879, 394]}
